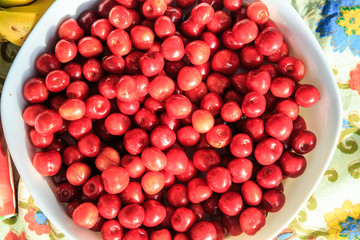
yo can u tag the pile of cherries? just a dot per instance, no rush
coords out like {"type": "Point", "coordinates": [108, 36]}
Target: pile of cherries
{"type": "Point", "coordinates": [168, 120]}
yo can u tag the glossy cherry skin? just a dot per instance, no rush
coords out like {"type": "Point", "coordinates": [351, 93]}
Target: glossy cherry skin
{"type": "Point", "coordinates": [282, 87]}
{"type": "Point", "coordinates": [46, 63]}
{"type": "Point", "coordinates": [112, 230]}
{"type": "Point", "coordinates": [31, 112]}
{"type": "Point", "coordinates": [135, 141]}
{"type": "Point", "coordinates": [196, 95]}
{"type": "Point", "coordinates": [146, 119]}
{"type": "Point", "coordinates": [65, 192]}
{"type": "Point", "coordinates": [231, 224]}
{"type": "Point", "coordinates": [258, 12]}
{"type": "Point", "coordinates": [177, 161]}
{"type": "Point", "coordinates": [172, 48]}
{"type": "Point", "coordinates": [120, 17]}
{"type": "Point", "coordinates": [251, 220]}
{"type": "Point", "coordinates": [119, 42]}
{"type": "Point", "coordinates": [291, 67]}
{"type": "Point", "coordinates": [251, 193]}
{"type": "Point", "coordinates": [198, 190]}
{"type": "Point", "coordinates": [151, 63]}
{"type": "Point", "coordinates": [77, 89]}
{"type": "Point", "coordinates": [212, 102]}
{"type": "Point", "coordinates": [174, 13]}
{"type": "Point", "coordinates": [160, 234]}
{"type": "Point", "coordinates": [212, 41]}
{"type": "Point", "coordinates": [161, 87]}
{"type": "Point", "coordinates": [219, 136]}
{"type": "Point", "coordinates": [162, 137]}
{"type": "Point", "coordinates": [39, 140]}
{"type": "Point", "coordinates": [258, 81]}
{"type": "Point", "coordinates": [132, 62]}
{"type": "Point", "coordinates": [182, 219]}
{"type": "Point", "coordinates": [155, 213]}
{"type": "Point", "coordinates": [126, 88]}
{"type": "Point", "coordinates": [89, 47]}
{"type": "Point", "coordinates": [303, 141]}
{"type": "Point", "coordinates": [115, 179]}
{"type": "Point", "coordinates": [164, 27]}
{"type": "Point", "coordinates": [85, 215]}
{"type": "Point", "coordinates": [282, 52]}
{"type": "Point", "coordinates": [219, 179]}
{"type": "Point", "coordinates": [131, 216]}
{"type": "Point", "coordinates": [253, 104]}
{"type": "Point", "coordinates": [292, 165]}
{"type": "Point", "coordinates": [289, 108]}
{"type": "Point", "coordinates": [269, 41]}
{"type": "Point", "coordinates": [138, 234]}
{"type": "Point", "coordinates": [231, 111]}
{"type": "Point", "coordinates": [240, 169]}
{"type": "Point", "coordinates": [177, 196]}
{"type": "Point", "coordinates": [245, 31]}
{"type": "Point", "coordinates": [35, 90]}
{"type": "Point", "coordinates": [101, 29]}
{"type": "Point", "coordinates": [250, 57]}
{"type": "Point", "coordinates": [225, 61]}
{"type": "Point", "coordinates": [269, 176]}
{"type": "Point", "coordinates": [187, 136]}
{"type": "Point", "coordinates": [268, 151]}
{"type": "Point", "coordinates": [142, 37]}
{"type": "Point", "coordinates": [132, 194]}
{"type": "Point", "coordinates": [220, 22]}
{"type": "Point", "coordinates": [97, 107]}
{"type": "Point", "coordinates": [178, 106]}
{"type": "Point", "coordinates": [106, 158]}
{"type": "Point", "coordinates": [117, 124]}
{"type": "Point", "coordinates": [205, 159]}
{"type": "Point", "coordinates": [198, 52]}
{"type": "Point", "coordinates": [273, 200]}
{"type": "Point", "coordinates": [65, 50]}
{"type": "Point", "coordinates": [74, 70]}
{"type": "Point", "coordinates": [86, 19]}
{"type": "Point", "coordinates": [133, 165]}
{"type": "Point", "coordinates": [279, 126]}
{"type": "Point", "coordinates": [109, 205]}
{"type": "Point", "coordinates": [307, 95]}
{"type": "Point", "coordinates": [153, 158]}
{"type": "Point", "coordinates": [48, 122]}
{"type": "Point", "coordinates": [190, 173]}
{"type": "Point", "coordinates": [153, 182]}
{"type": "Point", "coordinates": [241, 145]}
{"type": "Point", "coordinates": [93, 188]}
{"type": "Point", "coordinates": [188, 78]}
{"type": "Point", "coordinates": [203, 230]}
{"type": "Point", "coordinates": [152, 9]}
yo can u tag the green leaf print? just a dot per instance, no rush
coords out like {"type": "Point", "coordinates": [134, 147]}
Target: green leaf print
{"type": "Point", "coordinates": [331, 174]}
{"type": "Point", "coordinates": [23, 205]}
{"type": "Point", "coordinates": [343, 85]}
{"type": "Point", "coordinates": [302, 216]}
{"type": "Point", "coordinates": [10, 221]}
{"type": "Point", "coordinates": [312, 203]}
{"type": "Point", "coordinates": [354, 169]}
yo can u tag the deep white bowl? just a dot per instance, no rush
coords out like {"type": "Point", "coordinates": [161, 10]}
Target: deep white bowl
{"type": "Point", "coordinates": [324, 118]}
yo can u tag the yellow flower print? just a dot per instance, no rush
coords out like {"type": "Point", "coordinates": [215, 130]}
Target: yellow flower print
{"type": "Point", "coordinates": [344, 222]}
{"type": "Point", "coordinates": [349, 19]}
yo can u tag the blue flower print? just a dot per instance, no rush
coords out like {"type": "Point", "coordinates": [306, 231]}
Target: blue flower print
{"type": "Point", "coordinates": [350, 228]}
{"type": "Point", "coordinates": [341, 21]}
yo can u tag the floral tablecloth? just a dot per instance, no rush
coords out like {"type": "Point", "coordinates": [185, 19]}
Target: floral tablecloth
{"type": "Point", "coordinates": [333, 211]}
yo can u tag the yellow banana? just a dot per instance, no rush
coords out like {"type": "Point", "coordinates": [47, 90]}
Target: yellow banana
{"type": "Point", "coordinates": [17, 22]}
{"type": "Point", "coordinates": [2, 39]}
{"type": "Point", "coordinates": [14, 3]}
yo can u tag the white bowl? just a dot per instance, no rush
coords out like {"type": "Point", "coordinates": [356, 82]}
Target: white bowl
{"type": "Point", "coordinates": [324, 118]}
